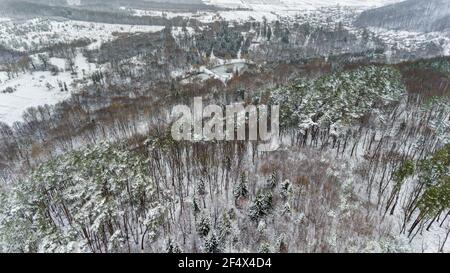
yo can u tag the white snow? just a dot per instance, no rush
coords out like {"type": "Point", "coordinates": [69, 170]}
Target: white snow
{"type": "Point", "coordinates": [259, 9]}
{"type": "Point", "coordinates": [32, 89]}
{"type": "Point", "coordinates": [39, 88]}
{"type": "Point", "coordinates": [166, 14]}
{"type": "Point", "coordinates": [274, 5]}
{"type": "Point", "coordinates": [40, 32]}
{"type": "Point", "coordinates": [73, 2]}
{"type": "Point", "coordinates": [410, 40]}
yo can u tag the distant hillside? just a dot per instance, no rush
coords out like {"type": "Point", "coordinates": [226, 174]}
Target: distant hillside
{"type": "Point", "coordinates": [414, 15]}
{"type": "Point", "coordinates": [295, 4]}
{"type": "Point", "coordinates": [108, 5]}
{"type": "Point", "coordinates": [20, 9]}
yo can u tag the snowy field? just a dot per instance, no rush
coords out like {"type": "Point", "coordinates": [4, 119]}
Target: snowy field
{"type": "Point", "coordinates": [40, 88]}
{"type": "Point", "coordinates": [40, 32]}
{"type": "Point", "coordinates": [31, 91]}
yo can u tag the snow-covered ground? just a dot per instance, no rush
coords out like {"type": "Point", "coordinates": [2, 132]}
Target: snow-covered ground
{"type": "Point", "coordinates": [40, 88]}
{"type": "Point", "coordinates": [31, 91]}
{"type": "Point", "coordinates": [319, 16]}
{"type": "Point", "coordinates": [410, 40]}
{"type": "Point", "coordinates": [259, 9]}
{"type": "Point", "coordinates": [73, 2]}
{"type": "Point", "coordinates": [166, 14]}
{"type": "Point", "coordinates": [41, 32]}
{"type": "Point", "coordinates": [429, 241]}
{"type": "Point", "coordinates": [207, 17]}
{"type": "Point", "coordinates": [222, 72]}
{"type": "Point", "coordinates": [277, 5]}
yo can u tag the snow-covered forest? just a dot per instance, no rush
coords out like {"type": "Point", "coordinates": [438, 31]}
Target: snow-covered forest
{"type": "Point", "coordinates": [88, 163]}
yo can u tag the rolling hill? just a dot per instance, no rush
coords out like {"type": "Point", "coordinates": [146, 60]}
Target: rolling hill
{"type": "Point", "coordinates": [412, 15]}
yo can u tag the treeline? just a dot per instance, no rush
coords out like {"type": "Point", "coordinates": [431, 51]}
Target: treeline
{"type": "Point", "coordinates": [156, 195]}
{"type": "Point", "coordinates": [8, 55]}
{"type": "Point", "coordinates": [280, 41]}
{"type": "Point", "coordinates": [106, 201]}
{"type": "Point", "coordinates": [183, 197]}
{"type": "Point", "coordinates": [28, 9]}
{"type": "Point", "coordinates": [226, 196]}
{"type": "Point", "coordinates": [23, 63]}
{"type": "Point", "coordinates": [112, 109]}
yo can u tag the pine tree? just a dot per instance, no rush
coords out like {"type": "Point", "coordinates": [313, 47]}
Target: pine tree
{"type": "Point", "coordinates": [285, 37]}
{"type": "Point", "coordinates": [265, 248]}
{"type": "Point", "coordinates": [269, 33]}
{"type": "Point", "coordinates": [240, 189]}
{"type": "Point", "coordinates": [95, 188]}
{"type": "Point", "coordinates": [285, 189]}
{"type": "Point", "coordinates": [212, 244]}
{"type": "Point", "coordinates": [273, 180]}
{"type": "Point", "coordinates": [203, 226]}
{"type": "Point", "coordinates": [224, 228]}
{"type": "Point", "coordinates": [261, 206]}
{"type": "Point", "coordinates": [195, 206]}
{"type": "Point", "coordinates": [201, 190]}
{"type": "Point", "coordinates": [172, 248]}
